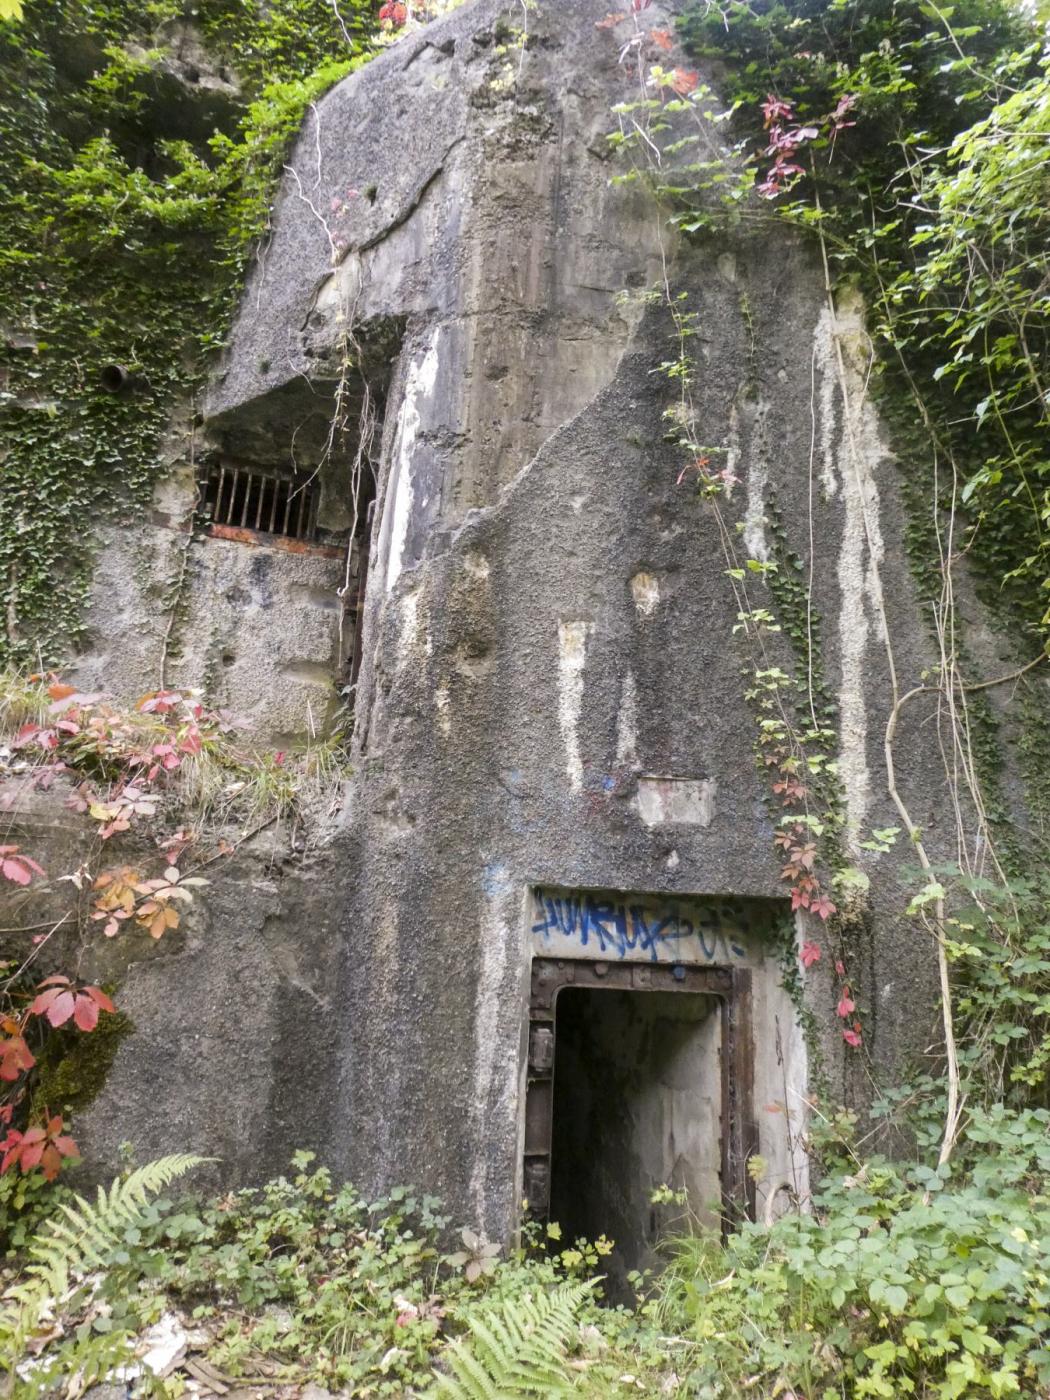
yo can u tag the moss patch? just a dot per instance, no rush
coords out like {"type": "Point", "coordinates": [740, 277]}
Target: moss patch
{"type": "Point", "coordinates": [74, 1066]}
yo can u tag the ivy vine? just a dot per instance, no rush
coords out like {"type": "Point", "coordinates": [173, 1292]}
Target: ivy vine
{"type": "Point", "coordinates": [128, 211]}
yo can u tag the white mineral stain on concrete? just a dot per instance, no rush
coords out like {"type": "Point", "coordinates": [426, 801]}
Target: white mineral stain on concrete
{"type": "Point", "coordinates": [572, 655]}
{"type": "Point", "coordinates": [419, 385]}
{"type": "Point", "coordinates": [444, 714]}
{"type": "Point", "coordinates": [828, 398]}
{"type": "Point", "coordinates": [662, 801]}
{"type": "Point", "coordinates": [476, 565]}
{"type": "Point", "coordinates": [755, 542]}
{"type": "Point", "coordinates": [498, 942]}
{"type": "Point", "coordinates": [408, 635]}
{"type": "Point", "coordinates": [732, 451]}
{"type": "Point", "coordinates": [850, 458]}
{"type": "Point", "coordinates": [627, 724]}
{"type": "Point", "coordinates": [645, 589]}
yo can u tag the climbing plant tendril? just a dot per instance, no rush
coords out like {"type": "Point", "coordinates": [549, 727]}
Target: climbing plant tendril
{"type": "Point", "coordinates": [909, 140]}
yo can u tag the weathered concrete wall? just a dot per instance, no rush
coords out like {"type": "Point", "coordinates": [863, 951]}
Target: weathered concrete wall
{"type": "Point", "coordinates": [233, 1016]}
{"type": "Point", "coordinates": [257, 624]}
{"type": "Point", "coordinates": [551, 693]}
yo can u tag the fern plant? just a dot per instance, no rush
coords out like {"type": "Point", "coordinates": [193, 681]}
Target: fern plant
{"type": "Point", "coordinates": [80, 1238]}
{"type": "Point", "coordinates": [519, 1348]}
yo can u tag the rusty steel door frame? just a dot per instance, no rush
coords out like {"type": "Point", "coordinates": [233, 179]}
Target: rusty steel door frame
{"type": "Point", "coordinates": [732, 988]}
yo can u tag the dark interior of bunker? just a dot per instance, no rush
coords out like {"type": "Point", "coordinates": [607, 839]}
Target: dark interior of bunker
{"type": "Point", "coordinates": [637, 1105]}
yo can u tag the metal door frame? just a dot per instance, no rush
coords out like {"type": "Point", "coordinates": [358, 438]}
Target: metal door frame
{"type": "Point", "coordinates": [730, 985]}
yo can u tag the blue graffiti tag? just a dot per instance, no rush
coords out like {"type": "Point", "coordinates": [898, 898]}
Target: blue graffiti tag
{"type": "Point", "coordinates": [619, 929]}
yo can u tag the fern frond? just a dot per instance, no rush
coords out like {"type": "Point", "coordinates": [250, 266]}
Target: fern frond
{"type": "Point", "coordinates": [517, 1349]}
{"type": "Point", "coordinates": [83, 1237]}
{"type": "Point", "coordinates": [90, 1361]}
{"type": "Point", "coordinates": [89, 1234]}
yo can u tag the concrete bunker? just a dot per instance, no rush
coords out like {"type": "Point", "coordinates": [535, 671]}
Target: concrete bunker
{"type": "Point", "coordinates": [644, 1065]}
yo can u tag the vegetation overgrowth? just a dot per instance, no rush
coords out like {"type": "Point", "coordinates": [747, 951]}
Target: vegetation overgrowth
{"type": "Point", "coordinates": [160, 792]}
{"type": "Point", "coordinates": [908, 141]}
{"type": "Point", "coordinates": [140, 145]}
{"type": "Point", "coordinates": [900, 1281]}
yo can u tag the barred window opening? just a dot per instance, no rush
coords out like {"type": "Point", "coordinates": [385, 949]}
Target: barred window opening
{"type": "Point", "coordinates": [249, 499]}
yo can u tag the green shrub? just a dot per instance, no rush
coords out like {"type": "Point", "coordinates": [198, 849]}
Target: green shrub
{"type": "Point", "coordinates": [901, 1282]}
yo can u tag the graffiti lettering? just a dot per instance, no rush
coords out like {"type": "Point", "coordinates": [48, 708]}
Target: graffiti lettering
{"type": "Point", "coordinates": [618, 929]}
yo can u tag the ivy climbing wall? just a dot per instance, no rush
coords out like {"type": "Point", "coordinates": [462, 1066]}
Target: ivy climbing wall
{"type": "Point", "coordinates": [139, 151]}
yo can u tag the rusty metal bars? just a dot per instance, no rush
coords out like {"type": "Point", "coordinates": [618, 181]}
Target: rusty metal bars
{"type": "Point", "coordinates": [266, 502]}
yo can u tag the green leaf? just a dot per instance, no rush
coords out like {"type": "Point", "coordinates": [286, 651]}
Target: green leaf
{"type": "Point", "coordinates": [896, 1298]}
{"type": "Point", "coordinates": [960, 1295]}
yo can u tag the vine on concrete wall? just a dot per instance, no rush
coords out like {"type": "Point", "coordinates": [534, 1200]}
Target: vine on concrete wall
{"type": "Point", "coordinates": [909, 142]}
{"type": "Point", "coordinates": [138, 155]}
{"type": "Point", "coordinates": [139, 150]}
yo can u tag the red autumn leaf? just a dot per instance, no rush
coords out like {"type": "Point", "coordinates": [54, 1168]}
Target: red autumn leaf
{"type": "Point", "coordinates": [775, 110]}
{"type": "Point", "coordinates": [80, 799]}
{"type": "Point", "coordinates": [792, 789]}
{"type": "Point", "coordinates": [51, 1159]}
{"type": "Point", "coordinates": [851, 1037]}
{"type": "Point", "coordinates": [33, 734]}
{"type": "Point", "coordinates": [840, 967]}
{"type": "Point", "coordinates": [684, 81]}
{"type": "Point", "coordinates": [810, 954]}
{"type": "Point", "coordinates": [85, 1014]}
{"type": "Point", "coordinates": [611, 20]}
{"type": "Point", "coordinates": [58, 691]}
{"type": "Point", "coordinates": [845, 104]}
{"type": "Point", "coordinates": [15, 1056]}
{"type": "Point", "coordinates": [10, 1147]}
{"type": "Point", "coordinates": [159, 702]}
{"type": "Point", "coordinates": [846, 1005]}
{"type": "Point", "coordinates": [57, 1005]}
{"type": "Point", "coordinates": [799, 900]}
{"type": "Point", "coordinates": [823, 907]}
{"type": "Point", "coordinates": [17, 867]}
{"type": "Point", "coordinates": [662, 38]}
{"type": "Point", "coordinates": [32, 1148]}
{"type": "Point", "coordinates": [59, 1002]}
{"type": "Point", "coordinates": [38, 1147]}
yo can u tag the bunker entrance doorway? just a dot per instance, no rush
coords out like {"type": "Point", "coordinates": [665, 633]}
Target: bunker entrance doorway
{"type": "Point", "coordinates": [639, 1076]}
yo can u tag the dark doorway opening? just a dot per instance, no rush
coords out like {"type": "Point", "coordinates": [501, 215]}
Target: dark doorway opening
{"type": "Point", "coordinates": [639, 1076]}
{"type": "Point", "coordinates": [637, 1105]}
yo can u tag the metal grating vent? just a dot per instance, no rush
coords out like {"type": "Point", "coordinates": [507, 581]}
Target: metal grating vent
{"type": "Point", "coordinates": [248, 499]}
